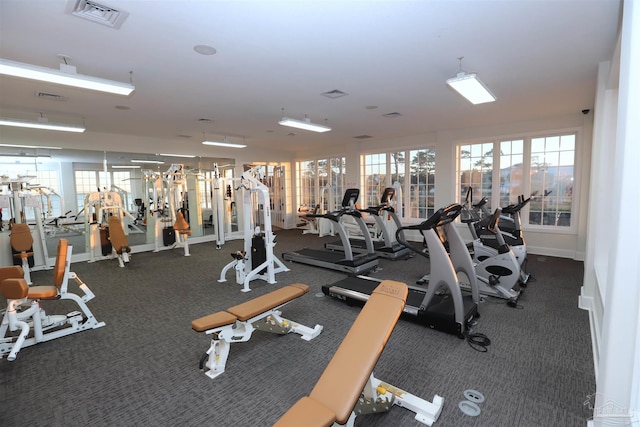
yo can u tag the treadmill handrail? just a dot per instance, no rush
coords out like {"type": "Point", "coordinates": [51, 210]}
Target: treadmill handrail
{"type": "Point", "coordinates": [442, 217]}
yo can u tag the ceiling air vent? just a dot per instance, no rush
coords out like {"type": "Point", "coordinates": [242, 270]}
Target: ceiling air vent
{"type": "Point", "coordinates": [333, 94]}
{"type": "Point", "coordinates": [362, 137]}
{"type": "Point", "coordinates": [96, 12]}
{"type": "Point", "coordinates": [51, 96]}
{"type": "Point", "coordinates": [392, 115]}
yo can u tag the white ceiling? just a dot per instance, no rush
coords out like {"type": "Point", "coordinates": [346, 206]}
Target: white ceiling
{"type": "Point", "coordinates": [539, 58]}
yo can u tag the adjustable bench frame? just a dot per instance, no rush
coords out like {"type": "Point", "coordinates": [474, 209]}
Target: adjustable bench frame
{"type": "Point", "coordinates": [236, 324]}
{"type": "Point", "coordinates": [347, 387]}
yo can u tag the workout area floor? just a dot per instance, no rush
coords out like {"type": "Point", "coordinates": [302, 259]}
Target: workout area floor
{"type": "Point", "coordinates": [141, 369]}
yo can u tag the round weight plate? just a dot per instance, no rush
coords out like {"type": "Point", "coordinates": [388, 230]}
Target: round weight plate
{"type": "Point", "coordinates": [469, 408]}
{"type": "Point", "coordinates": [474, 396]}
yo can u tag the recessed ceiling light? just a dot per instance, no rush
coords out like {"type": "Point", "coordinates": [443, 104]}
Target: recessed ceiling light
{"type": "Point", "coordinates": [204, 49]}
{"type": "Point", "coordinates": [371, 107]}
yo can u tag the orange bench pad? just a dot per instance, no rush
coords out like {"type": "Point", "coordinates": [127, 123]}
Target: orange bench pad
{"type": "Point", "coordinates": [252, 308]}
{"type": "Point", "coordinates": [307, 409]}
{"type": "Point", "coordinates": [214, 320]}
{"type": "Point", "coordinates": [344, 378]}
{"type": "Point", "coordinates": [249, 309]}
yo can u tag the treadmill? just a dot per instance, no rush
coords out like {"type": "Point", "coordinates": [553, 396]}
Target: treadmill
{"type": "Point", "coordinates": [449, 311]}
{"type": "Point", "coordinates": [388, 247]}
{"type": "Point", "coordinates": [346, 261]}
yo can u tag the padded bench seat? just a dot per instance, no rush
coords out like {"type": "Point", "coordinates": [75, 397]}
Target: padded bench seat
{"type": "Point", "coordinates": [347, 386]}
{"type": "Point", "coordinates": [250, 309]}
{"type": "Point", "coordinates": [237, 323]}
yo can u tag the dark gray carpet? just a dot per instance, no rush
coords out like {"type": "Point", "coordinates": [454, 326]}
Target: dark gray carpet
{"type": "Point", "coordinates": [142, 367]}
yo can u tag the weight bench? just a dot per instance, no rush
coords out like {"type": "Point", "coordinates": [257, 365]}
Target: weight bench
{"type": "Point", "coordinates": [347, 387]}
{"type": "Point", "coordinates": [237, 323]}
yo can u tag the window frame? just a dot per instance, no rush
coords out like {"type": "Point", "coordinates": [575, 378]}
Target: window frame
{"type": "Point", "coordinates": [526, 175]}
{"type": "Point", "coordinates": [407, 184]}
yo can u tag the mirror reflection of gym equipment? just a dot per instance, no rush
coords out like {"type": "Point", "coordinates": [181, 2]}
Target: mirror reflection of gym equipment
{"type": "Point", "coordinates": [62, 180]}
{"type": "Point", "coordinates": [24, 245]}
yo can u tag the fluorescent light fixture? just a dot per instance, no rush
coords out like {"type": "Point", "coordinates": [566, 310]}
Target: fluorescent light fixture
{"type": "Point", "coordinates": [470, 86]}
{"type": "Point", "coordinates": [223, 144]}
{"type": "Point", "coordinates": [41, 124]}
{"type": "Point", "coordinates": [303, 124]}
{"type": "Point", "coordinates": [155, 162]}
{"type": "Point", "coordinates": [125, 166]}
{"type": "Point", "coordinates": [30, 146]}
{"type": "Point", "coordinates": [188, 156]}
{"type": "Point", "coordinates": [66, 75]}
{"type": "Point", "coordinates": [22, 156]}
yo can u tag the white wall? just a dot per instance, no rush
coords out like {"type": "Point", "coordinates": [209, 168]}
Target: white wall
{"type": "Point", "coordinates": [611, 290]}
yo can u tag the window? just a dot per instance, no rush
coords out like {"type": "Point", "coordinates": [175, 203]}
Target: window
{"type": "Point", "coordinates": [541, 166]}
{"type": "Point", "coordinates": [382, 170]}
{"type": "Point", "coordinates": [423, 188]}
{"type": "Point", "coordinates": [90, 181]}
{"type": "Point", "coordinates": [50, 193]}
{"type": "Point", "coordinates": [320, 182]}
{"type": "Point", "coordinates": [511, 170]}
{"type": "Point", "coordinates": [551, 176]}
{"type": "Point", "coordinates": [375, 178]}
{"type": "Point", "coordinates": [307, 187]}
{"type": "Point", "coordinates": [476, 170]}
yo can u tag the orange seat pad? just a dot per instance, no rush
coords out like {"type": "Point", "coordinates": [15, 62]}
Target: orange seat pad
{"type": "Point", "coordinates": [43, 292]}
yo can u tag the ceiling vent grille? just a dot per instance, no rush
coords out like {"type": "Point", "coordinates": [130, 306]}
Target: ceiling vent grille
{"type": "Point", "coordinates": [362, 137]}
{"type": "Point", "coordinates": [51, 96]}
{"type": "Point", "coordinates": [96, 12]}
{"type": "Point", "coordinates": [333, 94]}
{"type": "Point", "coordinates": [392, 115]}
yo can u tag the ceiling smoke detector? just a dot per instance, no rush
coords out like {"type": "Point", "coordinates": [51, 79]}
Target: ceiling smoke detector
{"type": "Point", "coordinates": [96, 12]}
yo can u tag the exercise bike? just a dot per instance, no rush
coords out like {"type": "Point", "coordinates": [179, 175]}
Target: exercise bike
{"type": "Point", "coordinates": [498, 270]}
{"type": "Point", "coordinates": [478, 215]}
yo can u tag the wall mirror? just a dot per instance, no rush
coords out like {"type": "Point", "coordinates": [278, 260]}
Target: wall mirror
{"type": "Point", "coordinates": [70, 193]}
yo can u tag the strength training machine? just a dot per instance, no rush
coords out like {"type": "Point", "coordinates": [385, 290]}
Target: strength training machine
{"type": "Point", "coordinates": [46, 327]}
{"type": "Point", "coordinates": [256, 260]}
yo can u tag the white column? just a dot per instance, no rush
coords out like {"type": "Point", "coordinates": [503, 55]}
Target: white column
{"type": "Point", "coordinates": [617, 399]}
